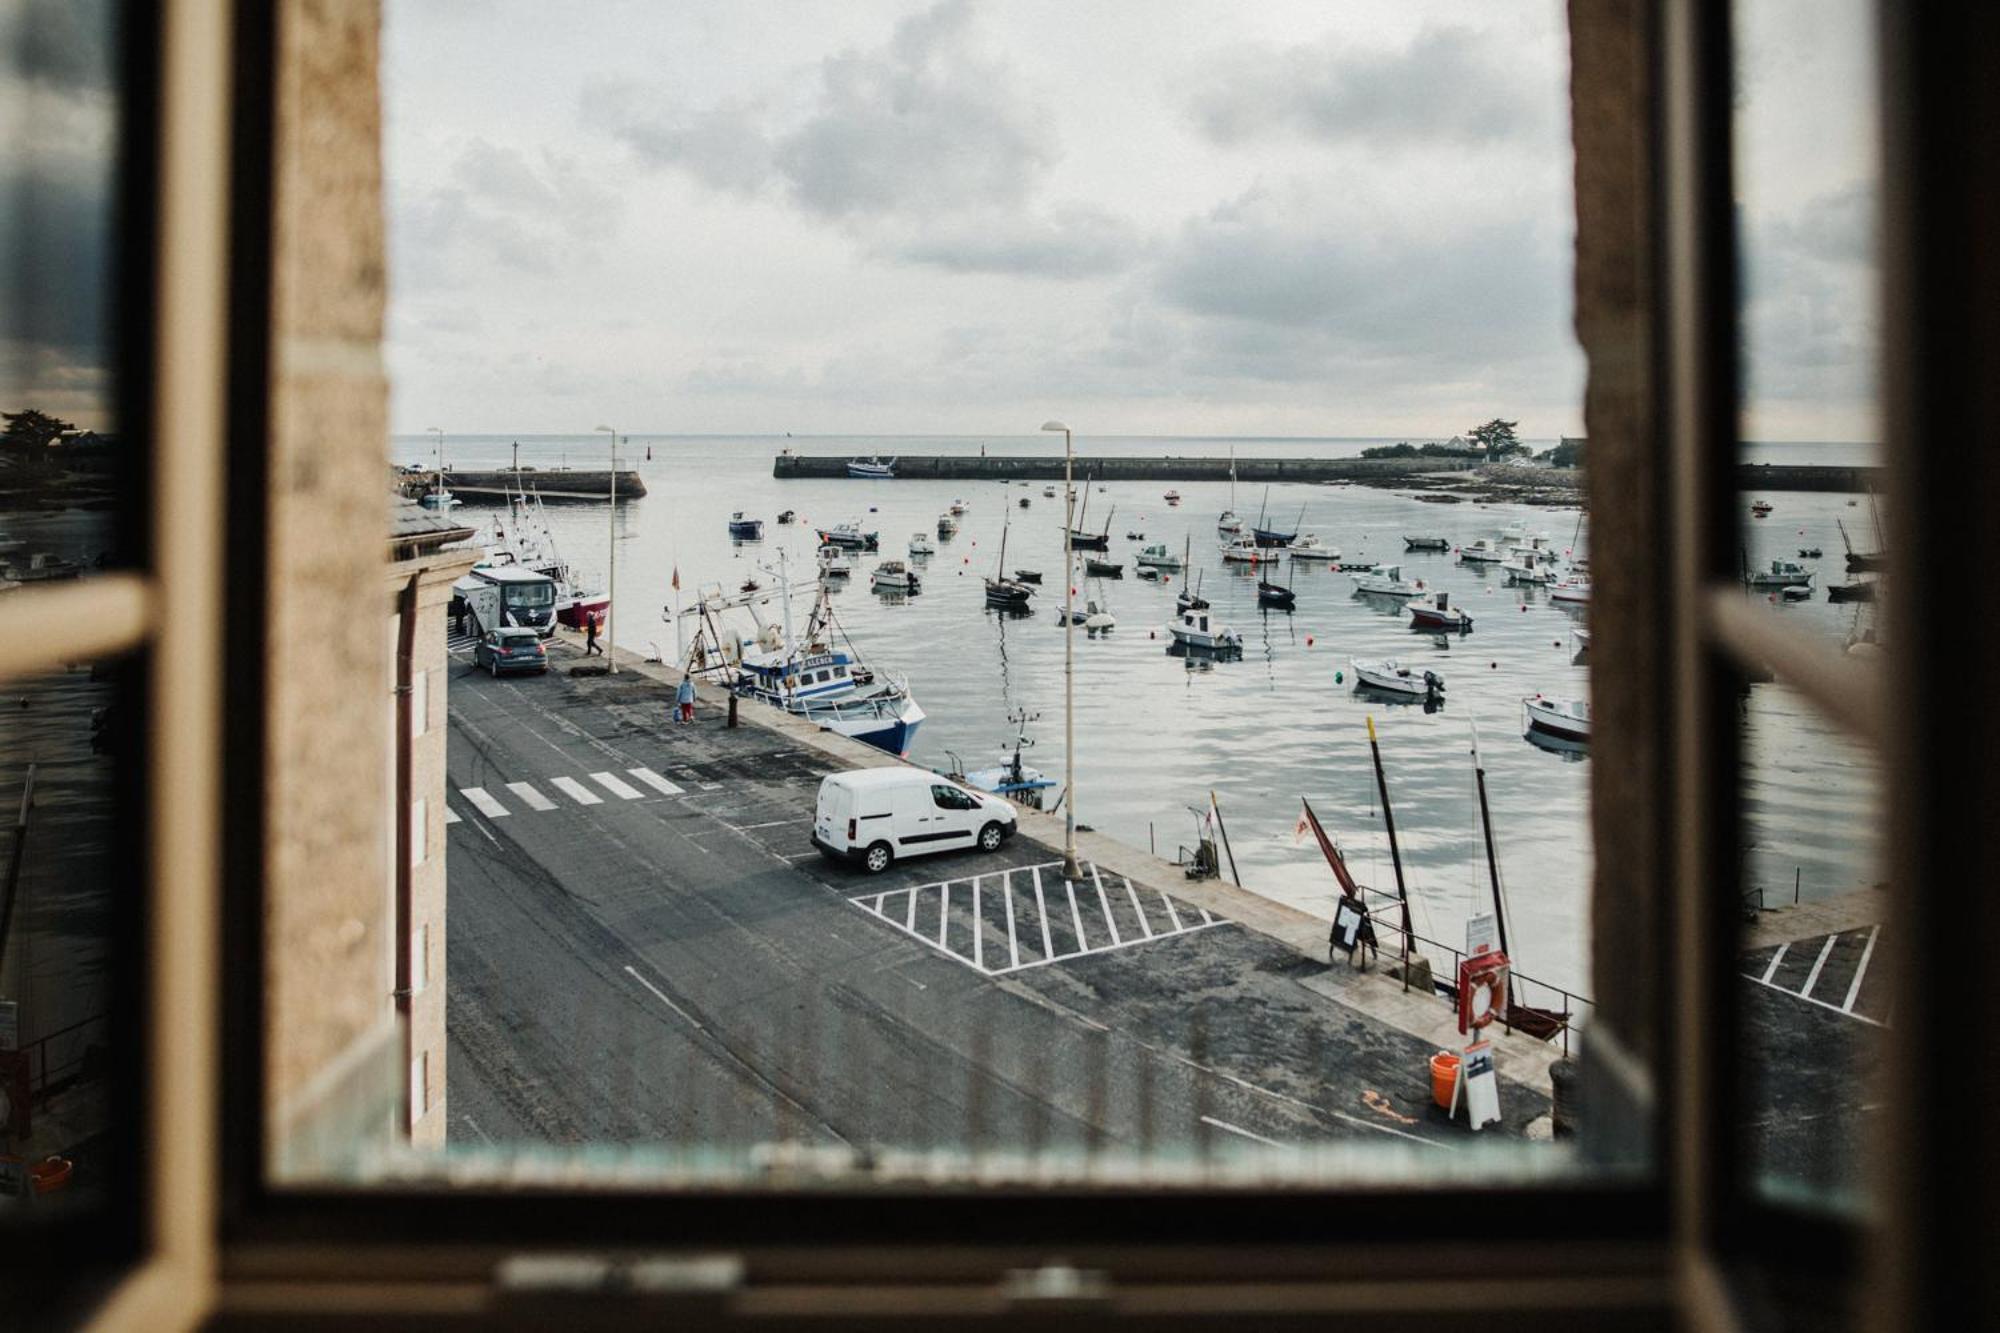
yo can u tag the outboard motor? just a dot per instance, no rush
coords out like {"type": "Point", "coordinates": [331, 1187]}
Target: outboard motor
{"type": "Point", "coordinates": [1433, 683]}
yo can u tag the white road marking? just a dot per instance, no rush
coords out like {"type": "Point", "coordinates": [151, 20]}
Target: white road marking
{"type": "Point", "coordinates": [526, 791]}
{"type": "Point", "coordinates": [1075, 914]}
{"type": "Point", "coordinates": [944, 909]}
{"type": "Point", "coordinates": [1104, 903]}
{"type": "Point", "coordinates": [1137, 910]}
{"type": "Point", "coordinates": [655, 781]}
{"type": "Point", "coordinates": [1831, 1008]}
{"type": "Point", "coordinates": [450, 815]}
{"type": "Point", "coordinates": [1812, 977]}
{"type": "Point", "coordinates": [910, 915]}
{"type": "Point", "coordinates": [485, 804]}
{"type": "Point", "coordinates": [1007, 896]}
{"type": "Point", "coordinates": [1776, 959]}
{"type": "Point", "coordinates": [1042, 913]}
{"type": "Point", "coordinates": [664, 998]}
{"type": "Point", "coordinates": [1238, 1129]}
{"type": "Point", "coordinates": [617, 786]}
{"type": "Point", "coordinates": [1172, 915]}
{"type": "Point", "coordinates": [978, 934]}
{"type": "Point", "coordinates": [577, 792]}
{"type": "Point", "coordinates": [477, 1130]}
{"type": "Point", "coordinates": [1860, 971]}
{"type": "Point", "coordinates": [1207, 920]}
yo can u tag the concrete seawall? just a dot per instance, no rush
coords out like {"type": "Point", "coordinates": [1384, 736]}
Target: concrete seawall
{"type": "Point", "coordinates": [1377, 471]}
{"type": "Point", "coordinates": [549, 483]}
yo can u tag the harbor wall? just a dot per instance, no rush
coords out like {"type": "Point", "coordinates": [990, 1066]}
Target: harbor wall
{"type": "Point", "coordinates": [549, 483]}
{"type": "Point", "coordinates": [964, 467]}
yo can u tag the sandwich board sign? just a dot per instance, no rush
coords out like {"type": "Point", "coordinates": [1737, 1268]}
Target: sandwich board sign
{"type": "Point", "coordinates": [1481, 1084]}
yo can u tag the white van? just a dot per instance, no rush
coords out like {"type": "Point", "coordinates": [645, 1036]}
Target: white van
{"type": "Point", "coordinates": [874, 815]}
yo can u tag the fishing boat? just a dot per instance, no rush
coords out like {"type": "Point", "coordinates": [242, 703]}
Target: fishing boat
{"type": "Point", "coordinates": [1190, 599]}
{"type": "Point", "coordinates": [787, 517]}
{"type": "Point", "coordinates": [871, 467]}
{"type": "Point", "coordinates": [1244, 550]}
{"type": "Point", "coordinates": [1157, 556]}
{"type": "Point", "coordinates": [1103, 569]}
{"type": "Point", "coordinates": [1426, 543]}
{"type": "Point", "coordinates": [1002, 592]}
{"type": "Point", "coordinates": [1761, 509]}
{"type": "Point", "coordinates": [1434, 610]}
{"type": "Point", "coordinates": [1387, 581]}
{"type": "Point", "coordinates": [947, 526]}
{"type": "Point", "coordinates": [958, 507]}
{"type": "Point", "coordinates": [920, 544]}
{"type": "Point", "coordinates": [1810, 553]}
{"type": "Point", "coordinates": [1480, 552]}
{"type": "Point", "coordinates": [745, 529]}
{"type": "Point", "coordinates": [850, 536]}
{"type": "Point", "coordinates": [1391, 677]}
{"type": "Point", "coordinates": [1528, 566]}
{"type": "Point", "coordinates": [896, 576]}
{"type": "Point", "coordinates": [1517, 534]}
{"type": "Point", "coordinates": [1173, 497]}
{"type": "Point", "coordinates": [1198, 629]}
{"type": "Point", "coordinates": [1135, 536]}
{"type": "Point", "coordinates": [835, 561]}
{"type": "Point", "coordinates": [1781, 574]}
{"type": "Point", "coordinates": [1310, 547]}
{"type": "Point", "coordinates": [523, 537]}
{"type": "Point", "coordinates": [1147, 572]}
{"type": "Point", "coordinates": [1228, 523]}
{"type": "Point", "coordinates": [1567, 718]}
{"type": "Point", "coordinates": [1010, 777]}
{"type": "Point", "coordinates": [816, 675]}
{"type": "Point", "coordinates": [1572, 589]}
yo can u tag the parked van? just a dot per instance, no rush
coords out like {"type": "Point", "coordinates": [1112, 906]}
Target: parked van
{"type": "Point", "coordinates": [874, 815]}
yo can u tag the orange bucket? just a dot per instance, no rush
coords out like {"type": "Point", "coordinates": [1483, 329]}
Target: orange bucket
{"type": "Point", "coordinates": [51, 1174]}
{"type": "Point", "coordinates": [1444, 1078]}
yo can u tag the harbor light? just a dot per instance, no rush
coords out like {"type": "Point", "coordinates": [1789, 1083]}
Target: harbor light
{"type": "Point", "coordinates": [1071, 870]}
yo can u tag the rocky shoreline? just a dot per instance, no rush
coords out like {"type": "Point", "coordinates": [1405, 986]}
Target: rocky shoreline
{"type": "Point", "coordinates": [1489, 483]}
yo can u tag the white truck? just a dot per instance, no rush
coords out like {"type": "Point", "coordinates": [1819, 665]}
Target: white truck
{"type": "Point", "coordinates": [871, 816]}
{"type": "Point", "coordinates": [491, 597]}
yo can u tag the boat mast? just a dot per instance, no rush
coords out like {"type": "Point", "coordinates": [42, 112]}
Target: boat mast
{"type": "Point", "coordinates": [785, 595]}
{"type": "Point", "coordinates": [1395, 853]}
{"type": "Point", "coordinates": [1006, 522]}
{"type": "Point", "coordinates": [1492, 859]}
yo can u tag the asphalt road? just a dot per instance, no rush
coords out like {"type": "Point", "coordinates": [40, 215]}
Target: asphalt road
{"type": "Point", "coordinates": [643, 948]}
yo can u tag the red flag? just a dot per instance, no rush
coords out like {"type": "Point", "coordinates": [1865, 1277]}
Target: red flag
{"type": "Point", "coordinates": [1348, 888]}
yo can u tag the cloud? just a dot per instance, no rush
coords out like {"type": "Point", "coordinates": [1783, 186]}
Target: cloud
{"type": "Point", "coordinates": [1811, 307]}
{"type": "Point", "coordinates": [527, 215]}
{"type": "Point", "coordinates": [1071, 242]}
{"type": "Point", "coordinates": [1448, 85]}
{"type": "Point", "coordinates": [58, 44]}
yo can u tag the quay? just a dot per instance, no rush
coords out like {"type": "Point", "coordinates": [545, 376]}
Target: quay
{"type": "Point", "coordinates": [1368, 471]}
{"type": "Point", "coordinates": [549, 483]}
{"type": "Point", "coordinates": [645, 949]}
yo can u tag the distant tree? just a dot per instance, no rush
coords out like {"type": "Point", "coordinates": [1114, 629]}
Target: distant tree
{"type": "Point", "coordinates": [1569, 453]}
{"type": "Point", "coordinates": [31, 431]}
{"type": "Point", "coordinates": [1497, 438]}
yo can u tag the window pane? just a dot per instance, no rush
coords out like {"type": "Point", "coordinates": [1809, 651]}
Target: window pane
{"type": "Point", "coordinates": [66, 917]}
{"type": "Point", "coordinates": [66, 461]}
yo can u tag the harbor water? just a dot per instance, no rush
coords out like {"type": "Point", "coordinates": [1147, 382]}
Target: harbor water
{"type": "Point", "coordinates": [1157, 733]}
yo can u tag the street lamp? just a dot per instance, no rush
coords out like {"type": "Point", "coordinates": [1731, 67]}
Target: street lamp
{"type": "Point", "coordinates": [611, 572]}
{"type": "Point", "coordinates": [1071, 870]}
{"type": "Point", "coordinates": [439, 432]}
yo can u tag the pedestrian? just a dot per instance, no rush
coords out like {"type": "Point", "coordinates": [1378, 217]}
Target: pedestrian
{"type": "Point", "coordinates": [590, 634]}
{"type": "Point", "coordinates": [686, 698]}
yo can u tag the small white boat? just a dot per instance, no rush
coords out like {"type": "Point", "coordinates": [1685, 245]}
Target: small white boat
{"type": "Point", "coordinates": [1529, 566]}
{"type": "Point", "coordinates": [1434, 611]}
{"type": "Point", "coordinates": [920, 544]}
{"type": "Point", "coordinates": [1173, 497]}
{"type": "Point", "coordinates": [1310, 547]}
{"type": "Point", "coordinates": [1048, 492]}
{"type": "Point", "coordinates": [1515, 534]}
{"type": "Point", "coordinates": [835, 560]}
{"type": "Point", "coordinates": [1572, 589]}
{"type": "Point", "coordinates": [1198, 628]}
{"type": "Point", "coordinates": [1157, 556]}
{"type": "Point", "coordinates": [1387, 581]}
{"type": "Point", "coordinates": [1761, 508]}
{"type": "Point", "coordinates": [1567, 718]}
{"type": "Point", "coordinates": [958, 506]}
{"type": "Point", "coordinates": [1392, 677]}
{"type": "Point", "coordinates": [1781, 574]}
{"type": "Point", "coordinates": [1228, 523]}
{"type": "Point", "coordinates": [1246, 551]}
{"type": "Point", "coordinates": [896, 576]}
{"type": "Point", "coordinates": [1097, 620]}
{"type": "Point", "coordinates": [1481, 552]}
{"type": "Point", "coordinates": [946, 526]}
{"type": "Point", "coordinates": [871, 467]}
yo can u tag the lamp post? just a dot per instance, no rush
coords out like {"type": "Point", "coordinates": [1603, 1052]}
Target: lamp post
{"type": "Point", "coordinates": [1071, 870]}
{"type": "Point", "coordinates": [439, 432]}
{"type": "Point", "coordinates": [611, 572]}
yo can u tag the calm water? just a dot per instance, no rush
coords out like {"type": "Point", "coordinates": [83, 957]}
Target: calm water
{"type": "Point", "coordinates": [1154, 737]}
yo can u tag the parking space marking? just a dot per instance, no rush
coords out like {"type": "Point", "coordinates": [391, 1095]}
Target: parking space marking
{"type": "Point", "coordinates": [450, 815]}
{"type": "Point", "coordinates": [967, 897]}
{"type": "Point", "coordinates": [1860, 971]}
{"type": "Point", "coordinates": [526, 791]}
{"type": "Point", "coordinates": [617, 786]}
{"type": "Point", "coordinates": [485, 804]}
{"type": "Point", "coordinates": [577, 792]}
{"type": "Point", "coordinates": [655, 781]}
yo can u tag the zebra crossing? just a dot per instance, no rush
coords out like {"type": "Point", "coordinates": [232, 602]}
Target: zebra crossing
{"type": "Point", "coordinates": [455, 642]}
{"type": "Point", "coordinates": [1028, 916]}
{"type": "Point", "coordinates": [528, 796]}
{"type": "Point", "coordinates": [1830, 971]}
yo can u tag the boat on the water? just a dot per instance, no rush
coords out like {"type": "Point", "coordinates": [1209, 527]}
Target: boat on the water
{"type": "Point", "coordinates": [1391, 677]}
{"type": "Point", "coordinates": [1480, 552]}
{"type": "Point", "coordinates": [1103, 569]}
{"type": "Point", "coordinates": [947, 526]}
{"type": "Point", "coordinates": [920, 544]}
{"type": "Point", "coordinates": [1575, 588]}
{"type": "Point", "coordinates": [1761, 509]}
{"type": "Point", "coordinates": [1567, 718]}
{"type": "Point", "coordinates": [745, 529]}
{"type": "Point", "coordinates": [523, 537]}
{"type": "Point", "coordinates": [1157, 556]}
{"type": "Point", "coordinates": [958, 507]}
{"type": "Point", "coordinates": [1028, 575]}
{"type": "Point", "coordinates": [1048, 492]}
{"type": "Point", "coordinates": [896, 576]}
{"type": "Point", "coordinates": [1275, 595]}
{"type": "Point", "coordinates": [1026, 502]}
{"type": "Point", "coordinates": [1310, 547]}
{"type": "Point", "coordinates": [1434, 610]}
{"type": "Point", "coordinates": [1173, 497]}
{"type": "Point", "coordinates": [871, 467]}
{"type": "Point", "coordinates": [1002, 592]}
{"type": "Point", "coordinates": [1388, 581]}
{"type": "Point", "coordinates": [850, 536]}
{"type": "Point", "coordinates": [836, 561]}
{"type": "Point", "coordinates": [1272, 537]}
{"type": "Point", "coordinates": [1529, 566]}
{"type": "Point", "coordinates": [787, 516]}
{"type": "Point", "coordinates": [439, 499]}
{"type": "Point", "coordinates": [1426, 543]}
{"type": "Point", "coordinates": [1244, 550]}
{"type": "Point", "coordinates": [1861, 590]}
{"type": "Point", "coordinates": [1010, 777]}
{"type": "Point", "coordinates": [1190, 598]}
{"type": "Point", "coordinates": [1197, 628]}
{"type": "Point", "coordinates": [1781, 574]}
{"type": "Point", "coordinates": [1227, 523]}
{"type": "Point", "coordinates": [1091, 541]}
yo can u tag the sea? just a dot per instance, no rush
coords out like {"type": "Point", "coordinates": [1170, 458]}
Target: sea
{"type": "Point", "coordinates": [1161, 738]}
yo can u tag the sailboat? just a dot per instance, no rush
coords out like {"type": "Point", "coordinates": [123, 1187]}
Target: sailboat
{"type": "Point", "coordinates": [1229, 522]}
{"type": "Point", "coordinates": [438, 497]}
{"type": "Point", "coordinates": [1002, 592]}
{"type": "Point", "coordinates": [1540, 1024]}
{"type": "Point", "coordinates": [1091, 541]}
{"type": "Point", "coordinates": [1271, 537]}
{"type": "Point", "coordinates": [1276, 595]}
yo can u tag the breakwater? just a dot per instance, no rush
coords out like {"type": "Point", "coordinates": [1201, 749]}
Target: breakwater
{"type": "Point", "coordinates": [549, 483]}
{"type": "Point", "coordinates": [1376, 471]}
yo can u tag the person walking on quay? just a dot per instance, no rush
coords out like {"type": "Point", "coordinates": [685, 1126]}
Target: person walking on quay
{"type": "Point", "coordinates": [686, 699]}
{"type": "Point", "coordinates": [590, 634]}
